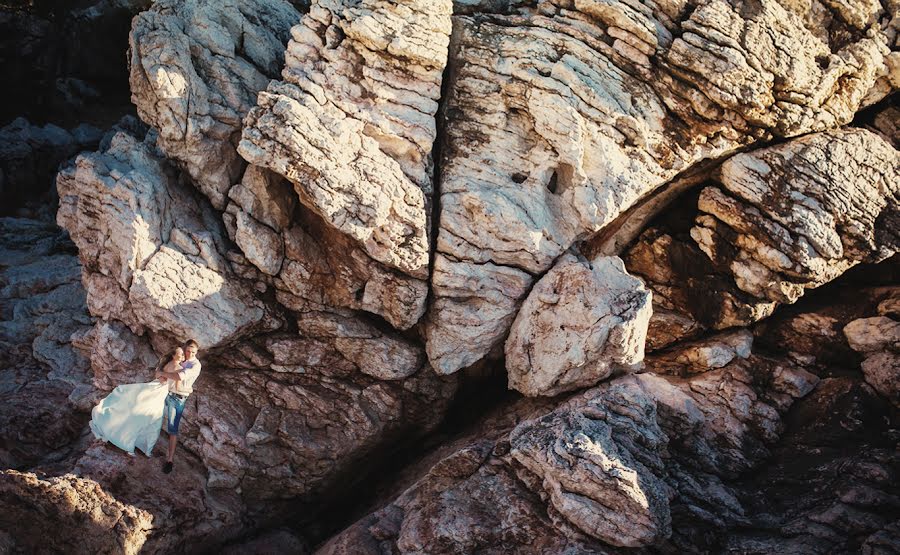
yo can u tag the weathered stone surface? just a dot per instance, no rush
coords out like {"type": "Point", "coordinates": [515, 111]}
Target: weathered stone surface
{"type": "Point", "coordinates": [43, 379]}
{"type": "Point", "coordinates": [782, 220]}
{"type": "Point", "coordinates": [154, 247]}
{"type": "Point", "coordinates": [831, 483]}
{"type": "Point", "coordinates": [196, 67]}
{"type": "Point", "coordinates": [795, 216]}
{"type": "Point", "coordinates": [473, 305]}
{"type": "Point", "coordinates": [303, 409]}
{"type": "Point", "coordinates": [325, 267]}
{"type": "Point", "coordinates": [582, 322]}
{"type": "Point", "coordinates": [623, 464]}
{"type": "Point", "coordinates": [595, 105]}
{"type": "Point", "coordinates": [352, 124]}
{"type": "Point", "coordinates": [86, 519]}
{"type": "Point", "coordinates": [878, 340]}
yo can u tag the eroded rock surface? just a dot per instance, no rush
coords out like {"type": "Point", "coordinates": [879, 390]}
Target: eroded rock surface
{"type": "Point", "coordinates": [782, 220]}
{"type": "Point", "coordinates": [87, 518]}
{"type": "Point", "coordinates": [877, 339]}
{"type": "Point", "coordinates": [151, 250]}
{"type": "Point", "coordinates": [352, 124]}
{"type": "Point", "coordinates": [582, 322]}
{"type": "Point", "coordinates": [593, 106]}
{"type": "Point", "coordinates": [44, 382]}
{"type": "Point", "coordinates": [196, 67]}
{"type": "Point", "coordinates": [622, 464]}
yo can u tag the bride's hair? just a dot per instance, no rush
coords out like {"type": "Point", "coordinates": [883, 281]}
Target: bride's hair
{"type": "Point", "coordinates": [170, 356]}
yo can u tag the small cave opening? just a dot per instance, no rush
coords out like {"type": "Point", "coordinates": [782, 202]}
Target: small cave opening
{"type": "Point", "coordinates": [560, 179]}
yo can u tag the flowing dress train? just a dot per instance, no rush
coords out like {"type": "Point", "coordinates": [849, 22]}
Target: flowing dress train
{"type": "Point", "coordinates": [131, 416]}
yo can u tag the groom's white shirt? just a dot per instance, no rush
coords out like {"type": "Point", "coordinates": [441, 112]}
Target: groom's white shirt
{"type": "Point", "coordinates": [190, 370]}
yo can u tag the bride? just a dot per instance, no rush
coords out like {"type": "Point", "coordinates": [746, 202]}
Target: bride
{"type": "Point", "coordinates": [132, 415]}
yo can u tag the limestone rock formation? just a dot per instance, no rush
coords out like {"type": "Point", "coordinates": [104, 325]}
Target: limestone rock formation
{"type": "Point", "coordinates": [795, 216]}
{"type": "Point", "coordinates": [593, 106]}
{"type": "Point", "coordinates": [346, 207]}
{"type": "Point", "coordinates": [156, 271]}
{"type": "Point", "coordinates": [582, 322]}
{"type": "Point", "coordinates": [306, 407]}
{"type": "Point", "coordinates": [709, 353]}
{"type": "Point", "coordinates": [31, 154]}
{"type": "Point", "coordinates": [85, 517]}
{"type": "Point", "coordinates": [352, 124]}
{"type": "Point", "coordinates": [878, 340]}
{"type": "Point", "coordinates": [623, 464]}
{"type": "Point", "coordinates": [781, 220]}
{"type": "Point", "coordinates": [153, 259]}
{"type": "Point", "coordinates": [196, 67]}
{"type": "Point", "coordinates": [45, 381]}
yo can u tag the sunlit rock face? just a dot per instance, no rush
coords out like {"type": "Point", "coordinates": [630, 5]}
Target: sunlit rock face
{"type": "Point", "coordinates": [594, 105]}
{"type": "Point", "coordinates": [351, 126]}
{"type": "Point", "coordinates": [778, 222]}
{"type": "Point", "coordinates": [582, 322]}
{"type": "Point", "coordinates": [196, 67]}
{"type": "Point", "coordinates": [152, 251]}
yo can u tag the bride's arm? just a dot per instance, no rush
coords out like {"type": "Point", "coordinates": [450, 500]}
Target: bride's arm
{"type": "Point", "coordinates": [169, 372]}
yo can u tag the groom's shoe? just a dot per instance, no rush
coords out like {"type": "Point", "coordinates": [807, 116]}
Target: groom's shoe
{"type": "Point", "coordinates": [167, 467]}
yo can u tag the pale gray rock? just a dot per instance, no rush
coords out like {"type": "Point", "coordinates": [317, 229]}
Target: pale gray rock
{"type": "Point", "coordinates": [550, 143]}
{"type": "Point", "coordinates": [352, 124]}
{"type": "Point", "coordinates": [581, 323]}
{"type": "Point", "coordinates": [262, 246]}
{"type": "Point", "coordinates": [196, 68]}
{"type": "Point", "coordinates": [322, 266]}
{"type": "Point", "coordinates": [155, 247]}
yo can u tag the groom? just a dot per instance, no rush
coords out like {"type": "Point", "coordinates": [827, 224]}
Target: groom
{"type": "Point", "coordinates": [180, 386]}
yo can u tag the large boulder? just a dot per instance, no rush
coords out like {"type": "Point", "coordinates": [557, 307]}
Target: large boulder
{"type": "Point", "coordinates": [152, 250]}
{"type": "Point", "coordinates": [196, 67]}
{"type": "Point", "coordinates": [582, 322]}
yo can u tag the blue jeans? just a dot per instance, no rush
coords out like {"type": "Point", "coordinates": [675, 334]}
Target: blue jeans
{"type": "Point", "coordinates": [172, 413]}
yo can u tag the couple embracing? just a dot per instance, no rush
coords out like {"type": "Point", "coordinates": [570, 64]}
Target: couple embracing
{"type": "Point", "coordinates": [132, 415]}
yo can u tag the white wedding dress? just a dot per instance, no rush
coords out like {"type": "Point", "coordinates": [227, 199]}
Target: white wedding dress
{"type": "Point", "coordinates": [131, 416]}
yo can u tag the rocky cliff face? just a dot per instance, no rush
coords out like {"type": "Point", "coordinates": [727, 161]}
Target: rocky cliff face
{"type": "Point", "coordinates": [671, 226]}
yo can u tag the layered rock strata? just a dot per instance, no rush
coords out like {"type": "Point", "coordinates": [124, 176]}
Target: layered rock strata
{"type": "Point", "coordinates": [621, 465]}
{"type": "Point", "coordinates": [351, 126]}
{"type": "Point", "coordinates": [45, 381]}
{"type": "Point", "coordinates": [780, 221]}
{"type": "Point", "coordinates": [593, 106]}
{"type": "Point", "coordinates": [196, 68]}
